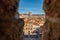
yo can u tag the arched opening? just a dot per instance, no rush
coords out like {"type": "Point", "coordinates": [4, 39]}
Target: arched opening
{"type": "Point", "coordinates": [11, 27]}
{"type": "Point", "coordinates": [34, 18]}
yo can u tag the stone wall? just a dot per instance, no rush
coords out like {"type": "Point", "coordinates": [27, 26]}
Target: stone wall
{"type": "Point", "coordinates": [10, 27]}
{"type": "Point", "coordinates": [52, 21]}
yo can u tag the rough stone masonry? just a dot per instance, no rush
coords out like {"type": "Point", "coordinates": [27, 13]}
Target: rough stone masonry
{"type": "Point", "coordinates": [52, 21]}
{"type": "Point", "coordinates": [10, 27]}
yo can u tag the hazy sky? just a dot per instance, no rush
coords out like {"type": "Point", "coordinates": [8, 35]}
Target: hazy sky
{"type": "Point", "coordinates": [34, 6]}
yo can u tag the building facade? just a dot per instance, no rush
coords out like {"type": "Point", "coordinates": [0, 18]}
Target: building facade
{"type": "Point", "coordinates": [32, 22]}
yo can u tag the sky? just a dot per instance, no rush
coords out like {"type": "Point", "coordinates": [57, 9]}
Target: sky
{"type": "Point", "coordinates": [34, 6]}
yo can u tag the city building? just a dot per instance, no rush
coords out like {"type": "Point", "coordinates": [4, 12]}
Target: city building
{"type": "Point", "coordinates": [32, 23]}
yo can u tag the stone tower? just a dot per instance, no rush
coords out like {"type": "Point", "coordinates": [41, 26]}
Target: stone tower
{"type": "Point", "coordinates": [30, 13]}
